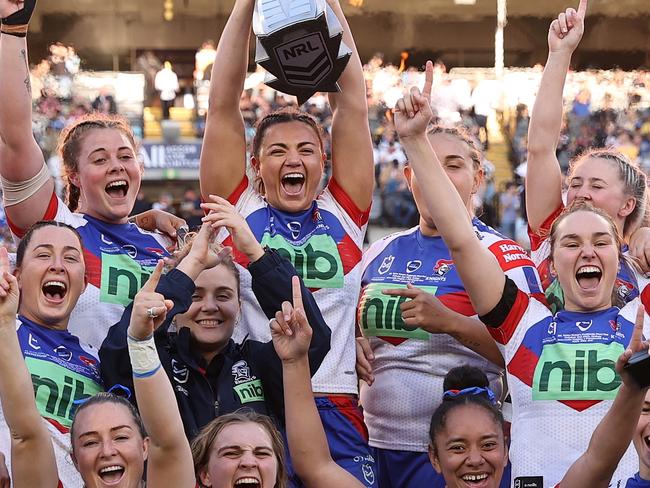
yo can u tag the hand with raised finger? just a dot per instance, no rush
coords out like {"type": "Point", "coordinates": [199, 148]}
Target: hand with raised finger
{"type": "Point", "coordinates": [636, 345]}
{"type": "Point", "coordinates": [9, 291]}
{"type": "Point", "coordinates": [290, 331]}
{"type": "Point", "coordinates": [223, 214]}
{"type": "Point", "coordinates": [565, 32]}
{"type": "Point", "coordinates": [422, 309]}
{"type": "Point", "coordinates": [365, 357]}
{"type": "Point", "coordinates": [640, 248]}
{"type": "Point", "coordinates": [412, 113]}
{"type": "Point", "coordinates": [149, 307]}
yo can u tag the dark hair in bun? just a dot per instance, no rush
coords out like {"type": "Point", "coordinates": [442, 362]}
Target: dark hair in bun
{"type": "Point", "coordinates": [463, 385]}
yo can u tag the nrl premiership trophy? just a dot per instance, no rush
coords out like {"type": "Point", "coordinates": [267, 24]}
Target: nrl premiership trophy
{"type": "Point", "coordinates": [299, 44]}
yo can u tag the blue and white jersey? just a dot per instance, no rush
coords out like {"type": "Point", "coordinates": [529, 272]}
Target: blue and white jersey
{"type": "Point", "coordinates": [632, 482]}
{"type": "Point", "coordinates": [119, 259]}
{"type": "Point", "coordinates": [562, 380]}
{"type": "Point", "coordinates": [64, 372]}
{"type": "Point", "coordinates": [323, 243]}
{"type": "Point", "coordinates": [410, 364]}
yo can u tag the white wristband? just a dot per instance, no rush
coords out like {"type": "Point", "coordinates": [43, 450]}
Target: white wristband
{"type": "Point", "coordinates": [144, 356]}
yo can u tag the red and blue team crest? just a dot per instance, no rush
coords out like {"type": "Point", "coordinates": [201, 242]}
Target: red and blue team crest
{"type": "Point", "coordinates": [442, 267]}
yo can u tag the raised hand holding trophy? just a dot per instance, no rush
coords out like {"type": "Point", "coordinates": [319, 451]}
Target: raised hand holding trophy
{"type": "Point", "coordinates": [299, 43]}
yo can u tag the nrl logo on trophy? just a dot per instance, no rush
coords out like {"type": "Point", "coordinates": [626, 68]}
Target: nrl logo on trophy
{"type": "Point", "coordinates": [299, 44]}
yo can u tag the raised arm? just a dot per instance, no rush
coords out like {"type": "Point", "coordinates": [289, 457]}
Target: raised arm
{"type": "Point", "coordinates": [478, 268]}
{"type": "Point", "coordinates": [613, 434]}
{"type": "Point", "coordinates": [544, 177]}
{"type": "Point", "coordinates": [32, 455]}
{"type": "Point", "coordinates": [308, 447]}
{"type": "Point", "coordinates": [20, 157]}
{"type": "Point", "coordinates": [154, 393]}
{"type": "Point", "coordinates": [223, 156]}
{"type": "Point", "coordinates": [352, 159]}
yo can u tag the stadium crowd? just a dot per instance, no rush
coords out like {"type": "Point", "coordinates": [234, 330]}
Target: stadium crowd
{"type": "Point", "coordinates": [270, 347]}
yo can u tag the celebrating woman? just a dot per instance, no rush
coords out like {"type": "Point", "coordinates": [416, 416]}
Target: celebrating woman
{"type": "Point", "coordinates": [603, 177]}
{"type": "Point", "coordinates": [103, 175]}
{"type": "Point", "coordinates": [213, 375]}
{"type": "Point", "coordinates": [322, 234]}
{"type": "Point", "coordinates": [560, 367]}
{"type": "Point", "coordinates": [418, 323]}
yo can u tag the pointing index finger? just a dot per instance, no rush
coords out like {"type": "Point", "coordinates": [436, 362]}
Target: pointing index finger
{"type": "Point", "coordinates": [428, 80]}
{"type": "Point", "coordinates": [296, 293]}
{"type": "Point", "coordinates": [637, 333]}
{"type": "Point", "coordinates": [4, 260]}
{"type": "Point", "coordinates": [582, 8]}
{"type": "Point", "coordinates": [153, 280]}
{"type": "Point", "coordinates": [401, 292]}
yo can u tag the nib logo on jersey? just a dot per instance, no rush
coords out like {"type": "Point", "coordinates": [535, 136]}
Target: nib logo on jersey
{"type": "Point", "coordinates": [59, 390]}
{"type": "Point", "coordinates": [122, 277]}
{"type": "Point", "coordinates": [248, 387]}
{"type": "Point", "coordinates": [380, 315]}
{"type": "Point", "coordinates": [569, 372]}
{"type": "Point", "coordinates": [317, 261]}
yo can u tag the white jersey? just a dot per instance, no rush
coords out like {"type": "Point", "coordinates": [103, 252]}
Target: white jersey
{"type": "Point", "coordinates": [562, 381]}
{"type": "Point", "coordinates": [410, 365]}
{"type": "Point", "coordinates": [324, 244]}
{"type": "Point", "coordinates": [64, 372]}
{"type": "Point", "coordinates": [119, 259]}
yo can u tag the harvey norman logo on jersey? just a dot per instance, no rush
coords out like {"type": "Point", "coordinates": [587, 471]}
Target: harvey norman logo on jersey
{"type": "Point", "coordinates": [510, 255]}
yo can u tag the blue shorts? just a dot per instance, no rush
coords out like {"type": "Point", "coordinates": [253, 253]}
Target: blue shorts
{"type": "Point", "coordinates": [405, 469]}
{"type": "Point", "coordinates": [347, 437]}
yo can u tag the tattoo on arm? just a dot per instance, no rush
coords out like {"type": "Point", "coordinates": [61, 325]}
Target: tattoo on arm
{"type": "Point", "coordinates": [28, 83]}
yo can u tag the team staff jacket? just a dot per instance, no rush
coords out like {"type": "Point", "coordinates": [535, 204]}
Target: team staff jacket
{"type": "Point", "coordinates": [242, 375]}
{"type": "Point", "coordinates": [562, 378]}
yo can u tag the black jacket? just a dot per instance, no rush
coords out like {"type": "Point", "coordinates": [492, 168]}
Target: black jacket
{"type": "Point", "coordinates": [242, 375]}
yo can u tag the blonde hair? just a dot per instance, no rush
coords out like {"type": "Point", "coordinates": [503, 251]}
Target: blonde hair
{"type": "Point", "coordinates": [632, 177]}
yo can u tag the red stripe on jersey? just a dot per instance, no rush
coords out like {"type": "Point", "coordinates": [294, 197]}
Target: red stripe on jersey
{"type": "Point", "coordinates": [506, 330]}
{"type": "Point", "coordinates": [50, 213]}
{"type": "Point", "coordinates": [645, 298]}
{"type": "Point", "coordinates": [458, 302]}
{"type": "Point", "coordinates": [523, 365]}
{"type": "Point", "coordinates": [58, 426]}
{"type": "Point", "coordinates": [350, 253]}
{"type": "Point", "coordinates": [580, 405]}
{"type": "Point", "coordinates": [93, 268]}
{"type": "Point", "coordinates": [358, 216]}
{"type": "Point", "coordinates": [238, 256]}
{"type": "Point", "coordinates": [537, 238]}
{"type": "Point", "coordinates": [510, 255]}
{"type": "Point", "coordinates": [234, 197]}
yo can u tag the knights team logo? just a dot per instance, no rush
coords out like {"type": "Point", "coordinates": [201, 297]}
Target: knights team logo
{"type": "Point", "coordinates": [442, 267]}
{"type": "Point", "coordinates": [241, 371]}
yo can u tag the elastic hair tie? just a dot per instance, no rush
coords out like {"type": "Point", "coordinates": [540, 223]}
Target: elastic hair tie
{"type": "Point", "coordinates": [117, 390]}
{"type": "Point", "coordinates": [473, 391]}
